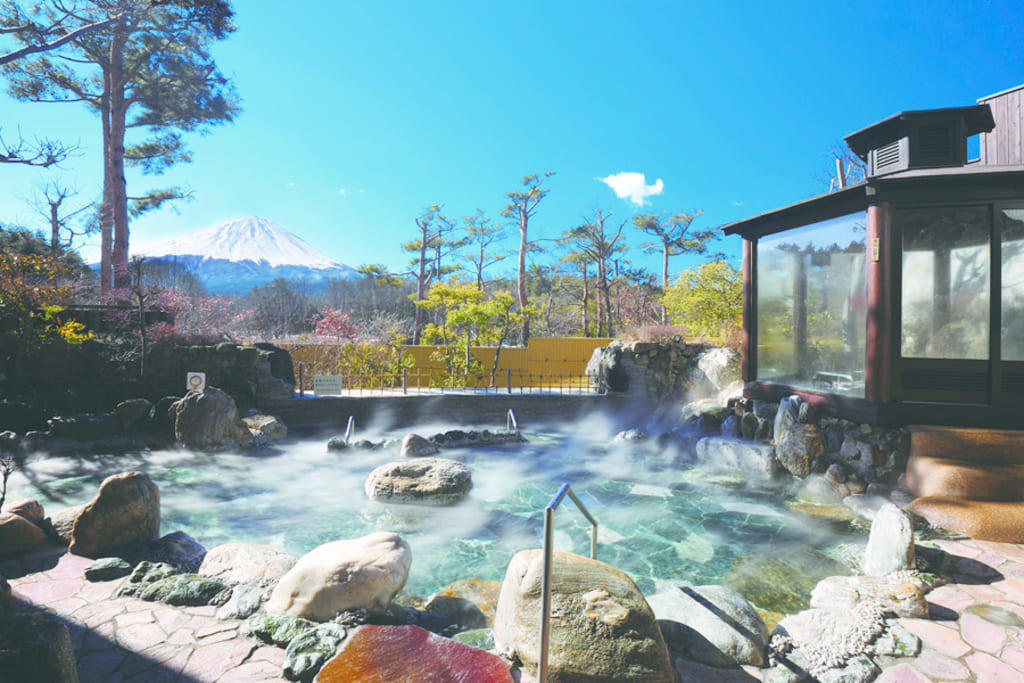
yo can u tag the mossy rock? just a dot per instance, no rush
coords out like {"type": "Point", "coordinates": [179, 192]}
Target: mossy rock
{"type": "Point", "coordinates": [184, 590]}
{"type": "Point", "coordinates": [273, 630]}
{"type": "Point", "coordinates": [144, 574]}
{"type": "Point", "coordinates": [310, 650]}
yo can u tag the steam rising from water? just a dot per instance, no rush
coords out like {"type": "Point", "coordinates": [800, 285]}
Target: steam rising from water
{"type": "Point", "coordinates": [660, 518]}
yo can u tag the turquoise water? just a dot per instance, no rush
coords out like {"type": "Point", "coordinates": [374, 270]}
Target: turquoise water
{"type": "Point", "coordinates": [660, 519]}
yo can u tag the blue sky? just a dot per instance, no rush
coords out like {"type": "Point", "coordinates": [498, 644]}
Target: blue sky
{"type": "Point", "coordinates": [357, 115]}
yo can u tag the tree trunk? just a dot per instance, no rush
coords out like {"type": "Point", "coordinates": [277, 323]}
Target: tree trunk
{"type": "Point", "coordinates": [54, 230]}
{"type": "Point", "coordinates": [586, 302]}
{"type": "Point", "coordinates": [664, 284]}
{"type": "Point", "coordinates": [521, 281]}
{"type": "Point", "coordinates": [106, 210]}
{"type": "Point", "coordinates": [421, 294]}
{"type": "Point", "coordinates": [117, 194]}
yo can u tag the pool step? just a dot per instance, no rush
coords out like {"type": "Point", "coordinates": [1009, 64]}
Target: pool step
{"type": "Point", "coordinates": [970, 481]}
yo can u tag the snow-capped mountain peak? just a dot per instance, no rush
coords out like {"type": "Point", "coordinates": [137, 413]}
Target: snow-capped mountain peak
{"type": "Point", "coordinates": [246, 239]}
{"type": "Point", "coordinates": [236, 256]}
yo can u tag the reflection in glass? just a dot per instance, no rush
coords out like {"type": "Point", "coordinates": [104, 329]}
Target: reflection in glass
{"type": "Point", "coordinates": [811, 306]}
{"type": "Point", "coordinates": [945, 283]}
{"type": "Point", "coordinates": [1013, 284]}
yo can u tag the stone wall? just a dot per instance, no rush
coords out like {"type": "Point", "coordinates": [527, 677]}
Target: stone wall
{"type": "Point", "coordinates": [672, 372]}
{"type": "Point", "coordinates": [94, 376]}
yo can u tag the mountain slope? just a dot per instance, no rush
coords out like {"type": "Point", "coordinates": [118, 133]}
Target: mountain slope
{"type": "Point", "coordinates": [234, 257]}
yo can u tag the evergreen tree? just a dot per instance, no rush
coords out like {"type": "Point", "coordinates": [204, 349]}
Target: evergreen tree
{"type": "Point", "coordinates": [148, 69]}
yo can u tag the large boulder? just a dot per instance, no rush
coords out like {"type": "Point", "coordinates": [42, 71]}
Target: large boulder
{"type": "Point", "coordinates": [125, 510]}
{"type": "Point", "coordinates": [713, 625]}
{"type": "Point", "coordinates": [422, 481]}
{"type": "Point", "coordinates": [18, 534]}
{"type": "Point", "coordinates": [604, 630]}
{"type": "Point", "coordinates": [606, 364]}
{"type": "Point", "coordinates": [410, 653]}
{"type": "Point", "coordinates": [208, 420]}
{"type": "Point", "coordinates": [249, 563]}
{"type": "Point", "coordinates": [901, 597]}
{"type": "Point", "coordinates": [416, 446]}
{"type": "Point", "coordinates": [360, 573]}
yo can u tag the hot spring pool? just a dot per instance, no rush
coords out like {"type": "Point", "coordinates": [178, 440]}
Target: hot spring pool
{"type": "Point", "coordinates": [659, 520]}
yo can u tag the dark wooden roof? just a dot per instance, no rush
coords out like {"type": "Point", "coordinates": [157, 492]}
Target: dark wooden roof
{"type": "Point", "coordinates": [1003, 181]}
{"type": "Point", "coordinates": [978, 119]}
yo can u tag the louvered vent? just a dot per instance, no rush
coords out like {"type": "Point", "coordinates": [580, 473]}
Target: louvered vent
{"type": "Point", "coordinates": [935, 145]}
{"type": "Point", "coordinates": [1013, 383]}
{"type": "Point", "coordinates": [887, 156]}
{"type": "Point", "coordinates": [924, 380]}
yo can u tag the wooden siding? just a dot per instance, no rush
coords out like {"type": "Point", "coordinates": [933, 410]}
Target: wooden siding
{"type": "Point", "coordinates": [1005, 144]}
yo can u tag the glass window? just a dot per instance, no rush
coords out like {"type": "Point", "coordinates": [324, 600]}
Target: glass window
{"type": "Point", "coordinates": [945, 283]}
{"type": "Point", "coordinates": [1013, 284]}
{"type": "Point", "coordinates": [812, 306]}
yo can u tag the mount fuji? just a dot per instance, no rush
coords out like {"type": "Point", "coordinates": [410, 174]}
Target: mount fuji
{"type": "Point", "coordinates": [236, 256]}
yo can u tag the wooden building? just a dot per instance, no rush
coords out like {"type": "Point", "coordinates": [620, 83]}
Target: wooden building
{"type": "Point", "coordinates": [900, 299]}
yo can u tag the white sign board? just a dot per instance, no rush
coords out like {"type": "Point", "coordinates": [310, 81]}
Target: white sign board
{"type": "Point", "coordinates": [327, 385]}
{"type": "Point", "coordinates": [195, 381]}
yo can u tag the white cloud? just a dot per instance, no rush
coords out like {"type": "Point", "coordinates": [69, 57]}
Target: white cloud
{"type": "Point", "coordinates": [341, 191]}
{"type": "Point", "coordinates": [633, 186]}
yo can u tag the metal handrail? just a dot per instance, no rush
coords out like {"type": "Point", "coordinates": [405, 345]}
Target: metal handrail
{"type": "Point", "coordinates": [510, 422]}
{"type": "Point", "coordinates": [545, 587]}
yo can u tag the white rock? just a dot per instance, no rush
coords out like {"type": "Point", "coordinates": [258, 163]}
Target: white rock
{"type": "Point", "coordinates": [356, 573]}
{"type": "Point", "coordinates": [890, 544]}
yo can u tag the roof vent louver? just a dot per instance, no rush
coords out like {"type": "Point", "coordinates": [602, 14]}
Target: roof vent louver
{"type": "Point", "coordinates": [920, 139]}
{"type": "Point", "coordinates": [935, 145]}
{"type": "Point", "coordinates": [887, 157]}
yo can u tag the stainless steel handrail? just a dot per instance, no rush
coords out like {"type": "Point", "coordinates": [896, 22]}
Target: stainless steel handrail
{"type": "Point", "coordinates": [510, 422]}
{"type": "Point", "coordinates": [545, 587]}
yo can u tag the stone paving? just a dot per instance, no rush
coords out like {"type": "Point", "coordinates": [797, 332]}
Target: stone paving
{"type": "Point", "coordinates": [126, 639]}
{"type": "Point", "coordinates": [976, 630]}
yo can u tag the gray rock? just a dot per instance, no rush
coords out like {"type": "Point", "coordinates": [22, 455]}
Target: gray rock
{"type": "Point", "coordinates": [764, 431]}
{"type": "Point", "coordinates": [133, 411]}
{"type": "Point", "coordinates": [788, 415]}
{"type": "Point", "coordinates": [865, 505]}
{"type": "Point", "coordinates": [798, 448]}
{"type": "Point", "coordinates": [274, 630]}
{"type": "Point", "coordinates": [208, 421]}
{"type": "Point", "coordinates": [605, 631]}
{"type": "Point", "coordinates": [891, 542]}
{"type": "Point", "coordinates": [185, 590]}
{"type": "Point", "coordinates": [250, 563]}
{"type": "Point", "coordinates": [63, 522]}
{"type": "Point", "coordinates": [416, 446]}
{"type": "Point", "coordinates": [144, 574]}
{"type": "Point", "coordinates": [896, 641]}
{"type": "Point", "coordinates": [465, 613]}
{"type": "Point", "coordinates": [271, 426]}
{"type": "Point", "coordinates": [308, 651]}
{"type": "Point", "coordinates": [337, 443]}
{"type": "Point", "coordinates": [711, 624]}
{"type": "Point", "coordinates": [805, 414]}
{"type": "Point", "coordinates": [421, 481]}
{"type": "Point", "coordinates": [731, 427]}
{"type": "Point", "coordinates": [179, 549]}
{"type": "Point", "coordinates": [107, 569]}
{"type": "Point", "coordinates": [858, 669]}
{"type": "Point", "coordinates": [754, 459]}
{"type": "Point", "coordinates": [901, 597]}
{"type": "Point", "coordinates": [749, 424]}
{"type": "Point", "coordinates": [244, 602]}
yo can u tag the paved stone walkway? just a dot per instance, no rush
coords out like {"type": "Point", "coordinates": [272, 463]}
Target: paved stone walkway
{"type": "Point", "coordinates": [129, 640]}
{"type": "Point", "coordinates": [976, 632]}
